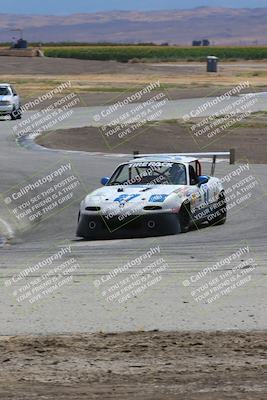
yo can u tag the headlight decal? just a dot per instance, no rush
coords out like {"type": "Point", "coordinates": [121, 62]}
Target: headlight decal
{"type": "Point", "coordinates": [158, 198]}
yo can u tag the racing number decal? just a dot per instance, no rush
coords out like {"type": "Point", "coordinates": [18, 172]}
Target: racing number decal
{"type": "Point", "coordinates": [126, 197]}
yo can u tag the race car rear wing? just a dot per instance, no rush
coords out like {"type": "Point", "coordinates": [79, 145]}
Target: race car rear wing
{"type": "Point", "coordinates": [213, 155]}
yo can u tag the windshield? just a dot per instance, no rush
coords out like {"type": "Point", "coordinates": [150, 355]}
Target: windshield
{"type": "Point", "coordinates": [149, 173]}
{"type": "Point", "coordinates": [4, 91]}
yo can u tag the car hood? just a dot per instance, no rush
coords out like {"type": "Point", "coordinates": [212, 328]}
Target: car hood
{"type": "Point", "coordinates": [133, 193]}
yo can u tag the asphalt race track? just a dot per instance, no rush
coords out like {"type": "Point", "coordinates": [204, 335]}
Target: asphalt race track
{"type": "Point", "coordinates": [80, 306]}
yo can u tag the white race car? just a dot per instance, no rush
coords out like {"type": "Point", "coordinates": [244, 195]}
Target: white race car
{"type": "Point", "coordinates": [153, 195]}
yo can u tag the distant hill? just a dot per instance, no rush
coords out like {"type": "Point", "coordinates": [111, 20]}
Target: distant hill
{"type": "Point", "coordinates": [219, 25]}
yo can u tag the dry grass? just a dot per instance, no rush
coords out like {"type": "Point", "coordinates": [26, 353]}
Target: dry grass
{"type": "Point", "coordinates": [30, 85]}
{"type": "Point", "coordinates": [175, 75]}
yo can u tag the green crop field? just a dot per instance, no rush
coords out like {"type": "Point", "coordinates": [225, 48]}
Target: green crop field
{"type": "Point", "coordinates": [159, 53]}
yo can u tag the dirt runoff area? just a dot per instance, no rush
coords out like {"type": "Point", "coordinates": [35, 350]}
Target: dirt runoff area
{"type": "Point", "coordinates": [142, 365]}
{"type": "Point", "coordinates": [249, 140]}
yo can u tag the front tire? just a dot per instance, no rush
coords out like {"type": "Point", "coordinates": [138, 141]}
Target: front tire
{"type": "Point", "coordinates": [13, 116]}
{"type": "Point", "coordinates": [16, 114]}
{"type": "Point", "coordinates": [184, 217]}
{"type": "Point", "coordinates": [19, 116]}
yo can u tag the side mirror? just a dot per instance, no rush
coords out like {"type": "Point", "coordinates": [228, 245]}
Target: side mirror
{"type": "Point", "coordinates": [104, 181]}
{"type": "Point", "coordinates": [202, 180]}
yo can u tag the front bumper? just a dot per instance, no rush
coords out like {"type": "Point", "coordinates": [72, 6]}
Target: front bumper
{"type": "Point", "coordinates": [98, 227]}
{"type": "Point", "coordinates": [6, 110]}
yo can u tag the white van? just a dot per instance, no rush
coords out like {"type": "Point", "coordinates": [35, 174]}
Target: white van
{"type": "Point", "coordinates": [9, 101]}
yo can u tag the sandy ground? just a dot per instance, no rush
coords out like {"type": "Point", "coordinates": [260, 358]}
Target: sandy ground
{"type": "Point", "coordinates": [249, 140]}
{"type": "Point", "coordinates": [141, 365]}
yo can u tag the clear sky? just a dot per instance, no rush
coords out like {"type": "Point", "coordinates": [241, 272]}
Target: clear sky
{"type": "Point", "coordinates": [61, 7]}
